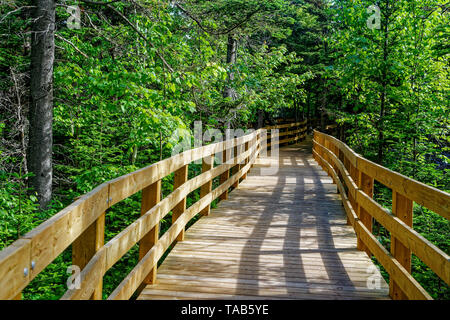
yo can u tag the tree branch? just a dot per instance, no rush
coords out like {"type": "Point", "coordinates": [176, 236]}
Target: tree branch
{"type": "Point", "coordinates": [74, 46]}
{"type": "Point", "coordinates": [226, 31]}
{"type": "Point", "coordinates": [108, 4]}
{"type": "Point", "coordinates": [142, 36]}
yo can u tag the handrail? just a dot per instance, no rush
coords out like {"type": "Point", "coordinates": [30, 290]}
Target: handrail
{"type": "Point", "coordinates": [81, 224]}
{"type": "Point", "coordinates": [355, 176]}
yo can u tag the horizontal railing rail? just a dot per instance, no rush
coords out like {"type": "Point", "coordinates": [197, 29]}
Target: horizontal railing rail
{"type": "Point", "coordinates": [355, 176]}
{"type": "Point", "coordinates": [82, 223]}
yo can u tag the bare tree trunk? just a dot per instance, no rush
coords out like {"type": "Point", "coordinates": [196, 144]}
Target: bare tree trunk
{"type": "Point", "coordinates": [41, 107]}
{"type": "Point", "coordinates": [229, 92]}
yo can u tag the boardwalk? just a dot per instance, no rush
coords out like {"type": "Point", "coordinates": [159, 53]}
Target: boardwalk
{"type": "Point", "coordinates": [282, 236]}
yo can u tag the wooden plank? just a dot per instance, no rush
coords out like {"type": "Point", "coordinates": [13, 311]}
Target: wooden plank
{"type": "Point", "coordinates": [348, 152]}
{"type": "Point", "coordinates": [90, 276]}
{"type": "Point", "coordinates": [357, 276]}
{"type": "Point", "coordinates": [432, 198]}
{"type": "Point", "coordinates": [431, 255]}
{"type": "Point", "coordinates": [245, 286]}
{"type": "Point", "coordinates": [180, 177]}
{"type": "Point", "coordinates": [404, 280]}
{"type": "Point", "coordinates": [246, 160]}
{"type": "Point", "coordinates": [128, 286]}
{"type": "Point", "coordinates": [86, 246]}
{"type": "Point", "coordinates": [402, 207]}
{"type": "Point", "coordinates": [238, 253]}
{"type": "Point", "coordinates": [55, 235]}
{"type": "Point", "coordinates": [15, 265]}
{"type": "Point", "coordinates": [151, 196]}
{"type": "Point", "coordinates": [288, 125]}
{"type": "Point", "coordinates": [126, 239]}
{"type": "Point", "coordinates": [365, 183]}
{"type": "Point", "coordinates": [226, 155]}
{"type": "Point", "coordinates": [127, 185]}
{"type": "Point", "coordinates": [120, 244]}
{"type": "Point", "coordinates": [346, 201]}
{"type": "Point", "coordinates": [236, 168]}
{"type": "Point", "coordinates": [340, 169]}
{"type": "Point", "coordinates": [207, 164]}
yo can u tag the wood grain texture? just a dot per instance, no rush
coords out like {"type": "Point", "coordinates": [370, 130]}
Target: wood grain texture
{"type": "Point", "coordinates": [86, 246]}
{"type": "Point", "coordinates": [180, 177]}
{"type": "Point", "coordinates": [278, 236]}
{"type": "Point", "coordinates": [151, 196]}
{"type": "Point", "coordinates": [398, 265]}
{"type": "Point", "coordinates": [13, 261]}
{"type": "Point", "coordinates": [402, 207]}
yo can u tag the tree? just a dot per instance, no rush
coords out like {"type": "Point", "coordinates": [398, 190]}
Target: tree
{"type": "Point", "coordinates": [41, 107]}
{"type": "Point", "coordinates": [237, 19]}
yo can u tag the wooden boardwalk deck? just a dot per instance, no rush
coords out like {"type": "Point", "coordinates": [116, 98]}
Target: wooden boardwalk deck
{"type": "Point", "coordinates": [280, 236]}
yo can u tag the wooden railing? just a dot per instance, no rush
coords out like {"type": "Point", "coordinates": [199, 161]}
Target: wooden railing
{"type": "Point", "coordinates": [355, 178]}
{"type": "Point", "coordinates": [82, 223]}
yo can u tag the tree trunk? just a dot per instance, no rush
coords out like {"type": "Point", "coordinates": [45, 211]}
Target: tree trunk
{"type": "Point", "coordinates": [229, 92]}
{"type": "Point", "coordinates": [260, 118]}
{"type": "Point", "coordinates": [41, 107]}
{"type": "Point", "coordinates": [383, 96]}
{"type": "Point", "coordinates": [380, 127]}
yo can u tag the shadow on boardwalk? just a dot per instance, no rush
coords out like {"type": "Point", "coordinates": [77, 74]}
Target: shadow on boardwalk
{"type": "Point", "coordinates": [279, 236]}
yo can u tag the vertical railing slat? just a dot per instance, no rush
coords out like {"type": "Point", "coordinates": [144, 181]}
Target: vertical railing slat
{"type": "Point", "coordinates": [245, 161]}
{"type": "Point", "coordinates": [180, 177]}
{"type": "Point", "coordinates": [226, 175]}
{"type": "Point", "coordinates": [86, 245]}
{"type": "Point", "coordinates": [207, 164]}
{"type": "Point", "coordinates": [236, 168]}
{"type": "Point", "coordinates": [365, 183]}
{"type": "Point", "coordinates": [402, 207]}
{"type": "Point", "coordinates": [151, 195]}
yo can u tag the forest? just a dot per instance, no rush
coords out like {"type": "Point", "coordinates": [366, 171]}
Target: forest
{"type": "Point", "coordinates": [93, 90]}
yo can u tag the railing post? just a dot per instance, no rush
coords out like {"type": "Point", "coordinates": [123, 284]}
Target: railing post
{"type": "Point", "coordinates": [237, 167]}
{"type": "Point", "coordinates": [325, 155]}
{"type": "Point", "coordinates": [365, 183]}
{"type": "Point", "coordinates": [346, 164]}
{"type": "Point", "coordinates": [314, 145]}
{"type": "Point", "coordinates": [319, 151]}
{"type": "Point", "coordinates": [340, 155]}
{"type": "Point", "coordinates": [402, 208]}
{"type": "Point", "coordinates": [245, 161]}
{"type": "Point", "coordinates": [354, 174]}
{"type": "Point", "coordinates": [150, 197]}
{"type": "Point", "coordinates": [332, 149]}
{"type": "Point", "coordinates": [226, 175]}
{"type": "Point", "coordinates": [207, 164]}
{"type": "Point", "coordinates": [269, 139]}
{"type": "Point", "coordinates": [257, 143]}
{"type": "Point", "coordinates": [287, 136]}
{"type": "Point", "coordinates": [85, 247]}
{"type": "Point", "coordinates": [180, 177]}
